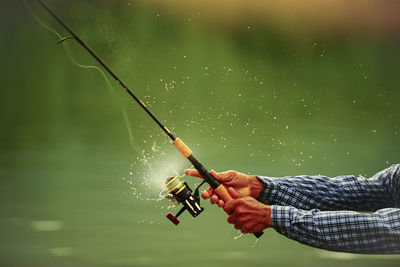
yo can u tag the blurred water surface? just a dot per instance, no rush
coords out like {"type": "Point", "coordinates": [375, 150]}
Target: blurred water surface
{"type": "Point", "coordinates": [76, 192]}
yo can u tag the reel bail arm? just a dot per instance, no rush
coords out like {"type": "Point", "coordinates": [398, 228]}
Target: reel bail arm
{"type": "Point", "coordinates": [181, 193]}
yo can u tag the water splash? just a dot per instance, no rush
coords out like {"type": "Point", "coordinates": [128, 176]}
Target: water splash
{"type": "Point", "coordinates": [255, 243]}
{"type": "Point", "coordinates": [239, 236]}
{"type": "Point", "coordinates": [149, 172]}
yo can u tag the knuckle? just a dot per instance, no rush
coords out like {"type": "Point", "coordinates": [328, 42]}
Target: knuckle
{"type": "Point", "coordinates": [239, 210]}
{"type": "Point", "coordinates": [231, 173]}
{"type": "Point", "coordinates": [227, 208]}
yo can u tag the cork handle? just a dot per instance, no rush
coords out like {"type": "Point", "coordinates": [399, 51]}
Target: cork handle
{"type": "Point", "coordinates": [223, 193]}
{"type": "Point", "coordinates": [182, 147]}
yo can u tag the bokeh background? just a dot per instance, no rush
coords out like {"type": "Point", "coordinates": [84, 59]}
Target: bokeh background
{"type": "Point", "coordinates": [262, 87]}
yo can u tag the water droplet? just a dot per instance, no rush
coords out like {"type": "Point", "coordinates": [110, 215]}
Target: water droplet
{"type": "Point", "coordinates": [255, 243]}
{"type": "Point", "coordinates": [239, 236]}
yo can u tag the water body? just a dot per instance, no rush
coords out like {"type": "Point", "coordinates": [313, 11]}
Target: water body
{"type": "Point", "coordinates": [65, 153]}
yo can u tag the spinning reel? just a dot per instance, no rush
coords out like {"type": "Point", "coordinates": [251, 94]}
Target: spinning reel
{"type": "Point", "coordinates": [179, 192]}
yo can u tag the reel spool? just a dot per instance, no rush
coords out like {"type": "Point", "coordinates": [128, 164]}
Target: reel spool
{"type": "Point", "coordinates": [179, 192]}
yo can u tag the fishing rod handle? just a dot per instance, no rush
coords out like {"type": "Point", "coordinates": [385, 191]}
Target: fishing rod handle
{"type": "Point", "coordinates": [219, 188]}
{"type": "Point", "coordinates": [223, 193]}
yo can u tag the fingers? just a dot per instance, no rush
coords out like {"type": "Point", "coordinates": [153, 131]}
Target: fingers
{"type": "Point", "coordinates": [238, 221]}
{"type": "Point", "coordinates": [209, 192]}
{"type": "Point", "coordinates": [224, 177]}
{"type": "Point", "coordinates": [193, 172]}
{"type": "Point", "coordinates": [235, 194]}
{"type": "Point", "coordinates": [245, 224]}
{"type": "Point", "coordinates": [247, 214]}
{"type": "Point", "coordinates": [251, 228]}
{"type": "Point", "coordinates": [244, 231]}
{"type": "Point", "coordinates": [231, 219]}
{"type": "Point", "coordinates": [230, 206]}
{"type": "Point", "coordinates": [214, 199]}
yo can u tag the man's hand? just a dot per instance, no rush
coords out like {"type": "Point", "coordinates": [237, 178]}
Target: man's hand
{"type": "Point", "coordinates": [248, 215]}
{"type": "Point", "coordinates": [238, 184]}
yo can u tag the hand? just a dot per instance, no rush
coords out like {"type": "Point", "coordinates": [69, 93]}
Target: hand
{"type": "Point", "coordinates": [248, 215]}
{"type": "Point", "coordinates": [236, 182]}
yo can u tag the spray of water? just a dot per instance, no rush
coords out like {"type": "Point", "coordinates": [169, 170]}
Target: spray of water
{"type": "Point", "coordinates": [148, 173]}
{"type": "Point", "coordinates": [238, 236]}
{"type": "Point", "coordinates": [147, 178]}
{"type": "Point", "coordinates": [153, 168]}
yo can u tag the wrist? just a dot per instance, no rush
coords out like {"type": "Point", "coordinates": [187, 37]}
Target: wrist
{"type": "Point", "coordinates": [256, 187]}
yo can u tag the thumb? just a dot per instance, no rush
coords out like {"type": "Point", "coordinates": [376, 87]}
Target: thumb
{"type": "Point", "coordinates": [192, 172]}
{"type": "Point", "coordinates": [234, 193]}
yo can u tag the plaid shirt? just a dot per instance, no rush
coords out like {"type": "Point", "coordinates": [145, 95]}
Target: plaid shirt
{"type": "Point", "coordinates": [312, 210]}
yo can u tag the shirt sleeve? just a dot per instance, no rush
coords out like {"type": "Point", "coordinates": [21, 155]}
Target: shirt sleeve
{"type": "Point", "coordinates": [338, 193]}
{"type": "Point", "coordinates": [345, 231]}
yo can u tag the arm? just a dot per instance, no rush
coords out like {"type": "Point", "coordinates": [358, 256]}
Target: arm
{"type": "Point", "coordinates": [339, 193]}
{"type": "Point", "coordinates": [344, 231]}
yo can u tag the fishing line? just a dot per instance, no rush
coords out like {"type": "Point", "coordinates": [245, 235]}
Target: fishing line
{"type": "Point", "coordinates": [68, 50]}
{"type": "Point", "coordinates": [148, 173]}
{"type": "Point", "coordinates": [179, 190]}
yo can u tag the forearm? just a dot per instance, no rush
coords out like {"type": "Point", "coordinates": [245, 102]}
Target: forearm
{"type": "Point", "coordinates": [344, 231]}
{"type": "Point", "coordinates": [339, 193]}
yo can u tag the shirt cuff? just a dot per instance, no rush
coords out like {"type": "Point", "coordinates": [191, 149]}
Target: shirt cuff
{"type": "Point", "coordinates": [267, 191]}
{"type": "Point", "coordinates": [281, 217]}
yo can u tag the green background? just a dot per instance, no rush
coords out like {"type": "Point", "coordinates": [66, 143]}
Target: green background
{"type": "Point", "coordinates": [75, 191]}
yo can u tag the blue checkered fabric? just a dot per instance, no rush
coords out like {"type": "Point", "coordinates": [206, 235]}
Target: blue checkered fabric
{"type": "Point", "coordinates": [324, 212]}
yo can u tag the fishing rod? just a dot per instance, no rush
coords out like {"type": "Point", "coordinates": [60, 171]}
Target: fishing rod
{"type": "Point", "coordinates": [179, 192]}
